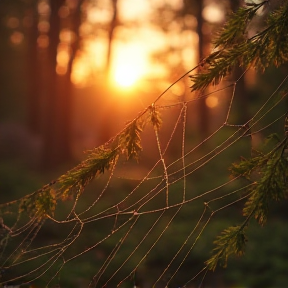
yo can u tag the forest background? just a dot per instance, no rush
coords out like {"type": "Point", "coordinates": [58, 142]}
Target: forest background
{"type": "Point", "coordinates": [63, 92]}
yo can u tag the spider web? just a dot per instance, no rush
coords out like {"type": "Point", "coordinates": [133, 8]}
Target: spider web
{"type": "Point", "coordinates": [145, 222]}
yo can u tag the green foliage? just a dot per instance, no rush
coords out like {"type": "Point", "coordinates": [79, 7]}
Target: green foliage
{"type": "Point", "coordinates": [265, 261]}
{"type": "Point", "coordinates": [234, 29]}
{"type": "Point", "coordinates": [268, 174]}
{"type": "Point", "coordinates": [247, 166]}
{"type": "Point", "coordinates": [43, 202]}
{"type": "Point", "coordinates": [130, 139]}
{"type": "Point", "coordinates": [266, 171]}
{"type": "Point", "coordinates": [270, 46]}
{"type": "Point", "coordinates": [39, 204]}
{"type": "Point", "coordinates": [275, 40]}
{"type": "Point", "coordinates": [231, 241]}
{"type": "Point", "coordinates": [99, 160]}
{"type": "Point", "coordinates": [271, 186]}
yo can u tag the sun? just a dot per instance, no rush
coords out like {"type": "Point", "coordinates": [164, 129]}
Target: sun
{"type": "Point", "coordinates": [126, 75]}
{"type": "Point", "coordinates": [129, 66]}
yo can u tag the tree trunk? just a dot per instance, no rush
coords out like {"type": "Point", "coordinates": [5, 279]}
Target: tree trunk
{"type": "Point", "coordinates": [105, 129]}
{"type": "Point", "coordinates": [34, 119]}
{"type": "Point", "coordinates": [203, 114]}
{"type": "Point", "coordinates": [56, 148]}
{"type": "Point", "coordinates": [241, 96]}
{"type": "Point", "coordinates": [113, 25]}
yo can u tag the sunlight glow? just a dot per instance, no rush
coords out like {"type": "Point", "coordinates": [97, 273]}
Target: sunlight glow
{"type": "Point", "coordinates": [212, 101]}
{"type": "Point", "coordinates": [126, 75]}
{"type": "Point", "coordinates": [80, 73]}
{"type": "Point", "coordinates": [17, 38]}
{"type": "Point", "coordinates": [131, 12]}
{"type": "Point", "coordinates": [213, 13]}
{"type": "Point", "coordinates": [139, 52]}
{"type": "Point", "coordinates": [129, 65]}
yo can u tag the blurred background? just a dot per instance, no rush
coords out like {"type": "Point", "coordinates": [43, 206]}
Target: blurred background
{"type": "Point", "coordinates": [73, 72]}
{"type": "Point", "coordinates": [69, 69]}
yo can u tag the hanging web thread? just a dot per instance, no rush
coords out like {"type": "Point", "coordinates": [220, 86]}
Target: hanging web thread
{"type": "Point", "coordinates": [129, 219]}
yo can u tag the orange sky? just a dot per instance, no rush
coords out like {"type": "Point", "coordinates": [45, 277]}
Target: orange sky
{"type": "Point", "coordinates": [133, 44]}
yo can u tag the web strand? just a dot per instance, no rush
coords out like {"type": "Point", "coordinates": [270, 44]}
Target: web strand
{"type": "Point", "coordinates": [133, 217]}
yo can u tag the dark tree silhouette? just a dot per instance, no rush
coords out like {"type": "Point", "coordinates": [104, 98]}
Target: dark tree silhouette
{"type": "Point", "coordinates": [34, 95]}
{"type": "Point", "coordinates": [241, 93]}
{"type": "Point", "coordinates": [55, 151]}
{"type": "Point", "coordinates": [58, 112]}
{"type": "Point", "coordinates": [203, 116]}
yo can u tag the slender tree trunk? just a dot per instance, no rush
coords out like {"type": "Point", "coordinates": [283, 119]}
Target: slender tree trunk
{"type": "Point", "coordinates": [241, 95]}
{"type": "Point", "coordinates": [55, 151]}
{"type": "Point", "coordinates": [203, 115]}
{"type": "Point", "coordinates": [65, 92]}
{"type": "Point", "coordinates": [34, 118]}
{"type": "Point", "coordinates": [113, 25]}
{"type": "Point", "coordinates": [105, 130]}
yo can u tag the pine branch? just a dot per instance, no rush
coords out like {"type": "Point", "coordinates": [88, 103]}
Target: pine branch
{"type": "Point", "coordinates": [99, 160]}
{"type": "Point", "coordinates": [268, 173]}
{"type": "Point", "coordinates": [271, 172]}
{"type": "Point", "coordinates": [43, 202]}
{"type": "Point", "coordinates": [130, 139]}
{"type": "Point", "coordinates": [39, 205]}
{"type": "Point", "coordinates": [269, 46]}
{"type": "Point", "coordinates": [235, 28]}
{"type": "Point", "coordinates": [155, 117]}
{"type": "Point", "coordinates": [231, 241]}
{"type": "Point", "coordinates": [247, 166]}
{"type": "Point", "coordinates": [270, 187]}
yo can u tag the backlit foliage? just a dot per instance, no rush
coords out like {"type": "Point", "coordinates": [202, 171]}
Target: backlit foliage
{"type": "Point", "coordinates": [233, 48]}
{"type": "Point", "coordinates": [130, 139]}
{"type": "Point", "coordinates": [267, 172]}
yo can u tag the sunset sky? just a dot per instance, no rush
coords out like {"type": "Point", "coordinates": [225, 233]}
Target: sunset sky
{"type": "Point", "coordinates": [137, 40]}
{"type": "Point", "coordinates": [141, 49]}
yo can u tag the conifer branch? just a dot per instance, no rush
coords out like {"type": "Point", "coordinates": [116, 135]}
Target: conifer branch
{"type": "Point", "coordinates": [267, 47]}
{"type": "Point", "coordinates": [43, 202]}
{"type": "Point", "coordinates": [231, 241]}
{"type": "Point", "coordinates": [99, 160]}
{"type": "Point", "coordinates": [39, 205]}
{"type": "Point", "coordinates": [130, 139]}
{"type": "Point", "coordinates": [268, 173]}
{"type": "Point", "coordinates": [271, 186]}
{"type": "Point", "coordinates": [234, 30]}
{"type": "Point", "coordinates": [155, 117]}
